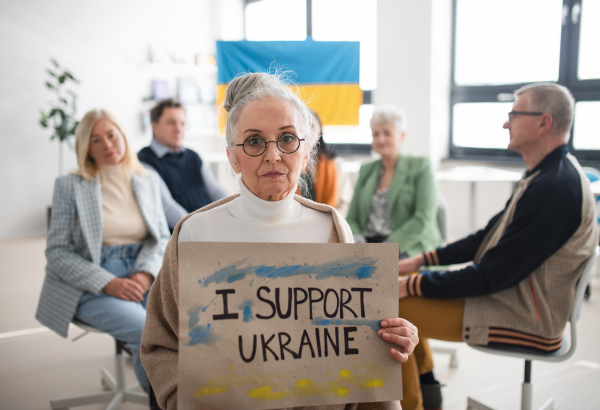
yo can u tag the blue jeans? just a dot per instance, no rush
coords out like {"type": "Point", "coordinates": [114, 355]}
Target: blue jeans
{"type": "Point", "coordinates": [122, 319]}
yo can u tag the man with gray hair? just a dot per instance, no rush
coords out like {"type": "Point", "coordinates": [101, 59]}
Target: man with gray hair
{"type": "Point", "coordinates": [520, 286]}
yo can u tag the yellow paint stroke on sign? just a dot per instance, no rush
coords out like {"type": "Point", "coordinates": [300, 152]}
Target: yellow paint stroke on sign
{"type": "Point", "coordinates": [274, 387]}
{"type": "Point", "coordinates": [374, 383]}
{"type": "Point", "coordinates": [266, 393]}
{"type": "Point", "coordinates": [304, 383]}
{"type": "Point", "coordinates": [345, 374]}
{"type": "Point", "coordinates": [342, 391]}
{"type": "Point", "coordinates": [209, 391]}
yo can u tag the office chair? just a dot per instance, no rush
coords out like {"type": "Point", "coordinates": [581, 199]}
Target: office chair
{"type": "Point", "coordinates": [444, 227]}
{"type": "Point", "coordinates": [529, 354]}
{"type": "Point", "coordinates": [116, 392]}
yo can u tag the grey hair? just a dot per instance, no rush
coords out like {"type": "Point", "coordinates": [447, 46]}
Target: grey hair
{"type": "Point", "coordinates": [255, 86]}
{"type": "Point", "coordinates": [554, 99]}
{"type": "Point", "coordinates": [389, 113]}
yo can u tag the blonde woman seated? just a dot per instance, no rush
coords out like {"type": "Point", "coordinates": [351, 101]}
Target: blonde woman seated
{"type": "Point", "coordinates": [395, 197]}
{"type": "Point", "coordinates": [106, 241]}
{"type": "Point", "coordinates": [269, 142]}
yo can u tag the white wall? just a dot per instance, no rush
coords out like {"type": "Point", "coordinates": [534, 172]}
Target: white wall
{"type": "Point", "coordinates": [413, 72]}
{"type": "Point", "coordinates": [403, 66]}
{"type": "Point", "coordinates": [106, 45]}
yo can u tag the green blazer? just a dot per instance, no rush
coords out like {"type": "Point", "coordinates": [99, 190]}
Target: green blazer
{"type": "Point", "coordinates": [412, 204]}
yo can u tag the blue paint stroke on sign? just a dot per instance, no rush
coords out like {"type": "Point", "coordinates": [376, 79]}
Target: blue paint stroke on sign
{"type": "Point", "coordinates": [201, 334]}
{"type": "Point", "coordinates": [246, 307]}
{"type": "Point", "coordinates": [373, 324]}
{"type": "Point", "coordinates": [194, 314]}
{"type": "Point", "coordinates": [362, 268]}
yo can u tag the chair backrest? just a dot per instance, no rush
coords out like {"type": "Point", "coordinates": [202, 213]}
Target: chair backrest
{"type": "Point", "coordinates": [584, 280]}
{"type": "Point", "coordinates": [442, 218]}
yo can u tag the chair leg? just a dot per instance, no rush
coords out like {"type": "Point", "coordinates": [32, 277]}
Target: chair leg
{"type": "Point", "coordinates": [527, 388]}
{"type": "Point", "coordinates": [118, 393]}
{"type": "Point", "coordinates": [451, 352]}
{"type": "Point", "coordinates": [473, 404]}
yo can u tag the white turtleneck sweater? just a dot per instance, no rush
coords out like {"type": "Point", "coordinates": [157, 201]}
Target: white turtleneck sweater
{"type": "Point", "coordinates": [122, 219]}
{"type": "Point", "coordinates": [248, 218]}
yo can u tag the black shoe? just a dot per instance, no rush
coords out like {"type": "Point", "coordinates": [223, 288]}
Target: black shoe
{"type": "Point", "coordinates": [432, 396]}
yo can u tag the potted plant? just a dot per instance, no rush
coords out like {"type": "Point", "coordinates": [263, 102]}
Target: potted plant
{"type": "Point", "coordinates": [60, 117]}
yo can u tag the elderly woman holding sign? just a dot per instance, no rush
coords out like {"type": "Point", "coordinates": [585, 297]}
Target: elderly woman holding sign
{"type": "Point", "coordinates": [269, 142]}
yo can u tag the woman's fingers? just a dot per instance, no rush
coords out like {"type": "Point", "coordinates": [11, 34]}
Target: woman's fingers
{"type": "Point", "coordinates": [403, 334]}
{"type": "Point", "coordinates": [124, 288]}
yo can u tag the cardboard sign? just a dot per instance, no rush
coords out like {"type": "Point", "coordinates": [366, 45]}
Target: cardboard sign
{"type": "Point", "coordinates": [265, 326]}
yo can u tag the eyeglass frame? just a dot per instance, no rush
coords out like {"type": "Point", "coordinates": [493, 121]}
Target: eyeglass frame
{"type": "Point", "coordinates": [530, 113]}
{"type": "Point", "coordinates": [268, 142]}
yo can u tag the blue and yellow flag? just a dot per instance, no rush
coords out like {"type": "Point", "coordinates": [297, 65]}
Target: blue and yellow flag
{"type": "Point", "coordinates": [326, 71]}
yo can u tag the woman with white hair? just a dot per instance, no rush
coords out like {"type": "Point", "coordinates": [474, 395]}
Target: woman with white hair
{"type": "Point", "coordinates": [269, 143]}
{"type": "Point", "coordinates": [395, 197]}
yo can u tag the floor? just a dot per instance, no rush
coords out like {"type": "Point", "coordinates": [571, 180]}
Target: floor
{"type": "Point", "coordinates": [38, 366]}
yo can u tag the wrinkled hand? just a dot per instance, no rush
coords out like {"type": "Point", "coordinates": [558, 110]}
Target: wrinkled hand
{"type": "Point", "coordinates": [126, 289]}
{"type": "Point", "coordinates": [144, 279]}
{"type": "Point", "coordinates": [402, 333]}
{"type": "Point", "coordinates": [410, 265]}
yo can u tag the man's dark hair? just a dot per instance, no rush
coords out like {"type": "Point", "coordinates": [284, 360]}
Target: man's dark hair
{"type": "Point", "coordinates": [157, 111]}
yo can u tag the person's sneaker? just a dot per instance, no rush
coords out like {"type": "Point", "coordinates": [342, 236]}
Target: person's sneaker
{"type": "Point", "coordinates": [432, 396]}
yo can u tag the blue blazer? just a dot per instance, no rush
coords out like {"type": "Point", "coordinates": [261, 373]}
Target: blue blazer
{"type": "Point", "coordinates": [74, 244]}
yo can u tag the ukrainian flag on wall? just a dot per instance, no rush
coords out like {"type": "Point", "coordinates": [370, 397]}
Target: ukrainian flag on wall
{"type": "Point", "coordinates": [326, 71]}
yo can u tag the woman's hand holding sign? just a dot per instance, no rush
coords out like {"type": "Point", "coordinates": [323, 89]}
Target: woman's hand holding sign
{"type": "Point", "coordinates": [401, 332]}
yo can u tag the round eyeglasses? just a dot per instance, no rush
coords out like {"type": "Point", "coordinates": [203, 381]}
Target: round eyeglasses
{"type": "Point", "coordinates": [256, 146]}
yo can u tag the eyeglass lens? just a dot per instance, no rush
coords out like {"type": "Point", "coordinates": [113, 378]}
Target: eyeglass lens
{"type": "Point", "coordinates": [255, 146]}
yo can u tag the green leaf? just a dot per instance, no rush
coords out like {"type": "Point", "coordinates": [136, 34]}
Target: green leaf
{"type": "Point", "coordinates": [55, 63]}
{"type": "Point", "coordinates": [61, 79]}
{"type": "Point", "coordinates": [53, 112]}
{"type": "Point", "coordinates": [74, 128]}
{"type": "Point", "coordinates": [69, 75]}
{"type": "Point", "coordinates": [64, 101]}
{"type": "Point", "coordinates": [51, 72]}
{"type": "Point", "coordinates": [43, 123]}
{"type": "Point", "coordinates": [50, 85]}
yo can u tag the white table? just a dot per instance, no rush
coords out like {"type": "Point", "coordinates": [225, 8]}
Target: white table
{"type": "Point", "coordinates": [473, 175]}
{"type": "Point", "coordinates": [596, 188]}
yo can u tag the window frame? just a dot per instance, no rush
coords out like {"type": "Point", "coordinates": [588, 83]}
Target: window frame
{"type": "Point", "coordinates": [582, 90]}
{"type": "Point", "coordinates": [340, 148]}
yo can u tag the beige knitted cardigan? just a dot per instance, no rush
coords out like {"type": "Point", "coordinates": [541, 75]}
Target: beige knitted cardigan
{"type": "Point", "coordinates": [160, 339]}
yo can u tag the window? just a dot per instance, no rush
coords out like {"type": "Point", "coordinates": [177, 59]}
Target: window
{"type": "Point", "coordinates": [499, 46]}
{"type": "Point", "coordinates": [324, 20]}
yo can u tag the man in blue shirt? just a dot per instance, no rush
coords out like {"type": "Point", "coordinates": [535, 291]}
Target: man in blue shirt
{"type": "Point", "coordinates": [187, 184]}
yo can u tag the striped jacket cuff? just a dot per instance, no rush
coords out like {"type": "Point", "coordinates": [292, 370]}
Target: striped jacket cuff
{"type": "Point", "coordinates": [431, 258]}
{"type": "Point", "coordinates": [413, 285]}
